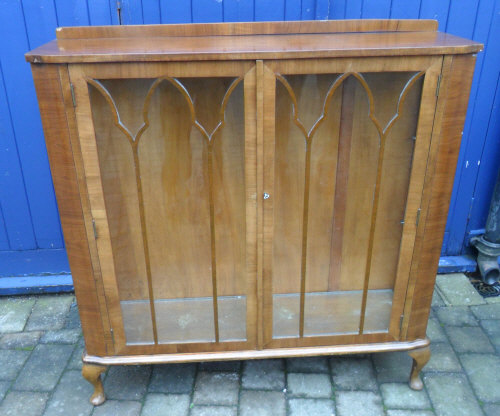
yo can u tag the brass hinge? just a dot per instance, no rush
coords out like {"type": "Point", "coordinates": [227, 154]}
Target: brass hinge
{"type": "Point", "coordinates": [72, 94]}
{"type": "Point", "coordinates": [438, 86]}
{"type": "Point", "coordinates": [94, 228]}
{"type": "Point", "coordinates": [418, 217]}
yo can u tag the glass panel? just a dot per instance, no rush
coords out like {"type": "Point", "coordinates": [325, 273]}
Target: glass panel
{"type": "Point", "coordinates": [326, 170]}
{"type": "Point", "coordinates": [175, 201]}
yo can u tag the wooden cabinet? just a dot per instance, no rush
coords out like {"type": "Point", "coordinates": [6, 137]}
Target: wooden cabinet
{"type": "Point", "coordinates": [251, 190]}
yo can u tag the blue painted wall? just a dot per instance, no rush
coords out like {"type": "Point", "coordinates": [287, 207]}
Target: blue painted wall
{"type": "Point", "coordinates": [29, 220]}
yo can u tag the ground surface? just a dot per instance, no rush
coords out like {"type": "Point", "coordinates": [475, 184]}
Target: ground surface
{"type": "Point", "coordinates": [41, 346]}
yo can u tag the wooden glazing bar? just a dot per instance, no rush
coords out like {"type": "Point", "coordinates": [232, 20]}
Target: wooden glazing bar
{"type": "Point", "coordinates": [145, 245]}
{"type": "Point", "coordinates": [305, 218]}
{"type": "Point", "coordinates": [212, 238]}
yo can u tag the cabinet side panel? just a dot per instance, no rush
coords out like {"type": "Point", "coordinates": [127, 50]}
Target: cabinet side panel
{"type": "Point", "coordinates": [448, 133]}
{"type": "Point", "coordinates": [57, 139]}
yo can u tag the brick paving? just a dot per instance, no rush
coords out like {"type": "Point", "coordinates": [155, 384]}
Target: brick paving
{"type": "Point", "coordinates": [41, 345]}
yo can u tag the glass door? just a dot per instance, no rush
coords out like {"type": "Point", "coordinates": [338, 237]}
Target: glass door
{"type": "Point", "coordinates": [172, 204]}
{"type": "Point", "coordinates": [346, 156]}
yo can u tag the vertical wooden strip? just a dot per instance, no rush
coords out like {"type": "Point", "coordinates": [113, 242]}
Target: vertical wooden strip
{"type": "Point", "coordinates": [435, 9]}
{"type": "Point", "coordinates": [145, 242]}
{"type": "Point", "coordinates": [353, 9]}
{"type": "Point", "coordinates": [376, 9]}
{"type": "Point", "coordinates": [266, 169]}
{"type": "Point", "coordinates": [452, 105]}
{"type": "Point", "coordinates": [487, 30]}
{"type": "Point", "coordinates": [28, 136]}
{"type": "Point", "coordinates": [207, 11]}
{"type": "Point", "coordinates": [19, 233]}
{"type": "Point", "coordinates": [86, 210]}
{"type": "Point", "coordinates": [419, 164]}
{"type": "Point", "coordinates": [259, 91]}
{"type": "Point", "coordinates": [322, 9]}
{"type": "Point", "coordinates": [175, 12]}
{"type": "Point", "coordinates": [373, 224]}
{"type": "Point", "coordinates": [55, 125]}
{"type": "Point", "coordinates": [337, 9]}
{"type": "Point", "coordinates": [100, 13]}
{"type": "Point", "coordinates": [131, 12]}
{"type": "Point", "coordinates": [212, 237]}
{"type": "Point", "coordinates": [253, 325]}
{"type": "Point", "coordinates": [405, 9]}
{"type": "Point", "coordinates": [269, 11]}
{"type": "Point", "coordinates": [308, 9]}
{"type": "Point", "coordinates": [151, 12]}
{"type": "Point", "coordinates": [293, 9]}
{"type": "Point", "coordinates": [238, 11]}
{"type": "Point", "coordinates": [341, 181]}
{"type": "Point", "coordinates": [305, 218]}
{"type": "Point", "coordinates": [4, 242]}
{"type": "Point", "coordinates": [71, 13]}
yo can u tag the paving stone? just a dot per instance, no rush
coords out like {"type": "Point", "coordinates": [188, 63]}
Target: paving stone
{"type": "Point", "coordinates": [309, 385]}
{"type": "Point", "coordinates": [494, 299]}
{"type": "Point", "coordinates": [437, 300]}
{"type": "Point", "coordinates": [484, 374]}
{"type": "Point", "coordinates": [359, 403]}
{"type": "Point", "coordinates": [71, 396]}
{"type": "Point", "coordinates": [115, 408]}
{"type": "Point", "coordinates": [21, 403]}
{"type": "Point", "coordinates": [216, 388]}
{"type": "Point", "coordinates": [75, 362]}
{"type": "Point", "coordinates": [392, 367]}
{"type": "Point", "coordinates": [443, 358]}
{"type": "Point", "coordinates": [410, 413]}
{"type": "Point", "coordinates": [44, 367]}
{"type": "Point", "coordinates": [229, 366]}
{"type": "Point", "coordinates": [492, 409]}
{"type": "Point", "coordinates": [14, 312]}
{"type": "Point", "coordinates": [400, 396]}
{"type": "Point", "coordinates": [172, 378]}
{"type": "Point", "coordinates": [166, 405]}
{"type": "Point", "coordinates": [353, 373]}
{"type": "Point", "coordinates": [127, 382]}
{"type": "Point", "coordinates": [435, 332]}
{"type": "Point", "coordinates": [4, 386]}
{"type": "Point", "coordinates": [73, 318]}
{"type": "Point", "coordinates": [262, 403]}
{"type": "Point", "coordinates": [311, 407]}
{"type": "Point", "coordinates": [491, 311]}
{"type": "Point", "coordinates": [456, 316]}
{"type": "Point", "coordinates": [62, 336]}
{"type": "Point", "coordinates": [492, 329]}
{"type": "Point", "coordinates": [11, 362]}
{"type": "Point", "coordinates": [469, 339]}
{"type": "Point", "coordinates": [263, 375]}
{"type": "Point", "coordinates": [451, 395]}
{"type": "Point", "coordinates": [455, 289]}
{"type": "Point", "coordinates": [49, 312]}
{"type": "Point", "coordinates": [213, 411]}
{"type": "Point", "coordinates": [307, 365]}
{"type": "Point", "coordinates": [20, 340]}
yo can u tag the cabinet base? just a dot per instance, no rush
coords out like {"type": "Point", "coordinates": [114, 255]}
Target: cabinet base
{"type": "Point", "coordinates": [418, 349]}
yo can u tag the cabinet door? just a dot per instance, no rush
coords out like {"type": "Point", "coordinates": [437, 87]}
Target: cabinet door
{"type": "Point", "coordinates": [169, 161]}
{"type": "Point", "coordinates": [346, 145]}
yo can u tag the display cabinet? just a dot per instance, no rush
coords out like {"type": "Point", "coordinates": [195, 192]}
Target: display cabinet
{"type": "Point", "coordinates": [252, 190]}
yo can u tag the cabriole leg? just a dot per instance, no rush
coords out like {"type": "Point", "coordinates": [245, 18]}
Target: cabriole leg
{"type": "Point", "coordinates": [420, 358]}
{"type": "Point", "coordinates": [92, 373]}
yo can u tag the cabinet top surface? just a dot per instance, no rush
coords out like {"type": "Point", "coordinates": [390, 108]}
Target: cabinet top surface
{"type": "Point", "coordinates": [254, 40]}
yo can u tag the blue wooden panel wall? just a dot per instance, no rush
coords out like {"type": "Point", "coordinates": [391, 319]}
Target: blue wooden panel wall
{"type": "Point", "coordinates": [28, 210]}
